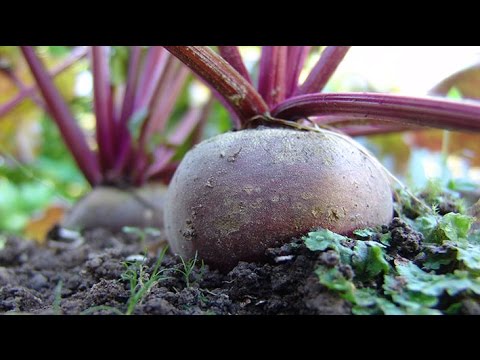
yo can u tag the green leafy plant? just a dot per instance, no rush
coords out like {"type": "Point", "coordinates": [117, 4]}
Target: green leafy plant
{"type": "Point", "coordinates": [376, 280]}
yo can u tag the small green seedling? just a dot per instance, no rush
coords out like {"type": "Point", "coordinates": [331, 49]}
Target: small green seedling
{"type": "Point", "coordinates": [188, 267]}
{"type": "Point", "coordinates": [58, 298]}
{"type": "Point", "coordinates": [140, 284]}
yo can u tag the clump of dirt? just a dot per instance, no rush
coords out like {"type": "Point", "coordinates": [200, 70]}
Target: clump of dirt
{"type": "Point", "coordinates": [406, 241]}
{"type": "Point", "coordinates": [87, 277]}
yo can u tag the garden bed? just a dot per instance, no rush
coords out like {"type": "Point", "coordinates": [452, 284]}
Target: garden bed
{"type": "Point", "coordinates": [93, 275]}
{"type": "Point", "coordinates": [90, 275]}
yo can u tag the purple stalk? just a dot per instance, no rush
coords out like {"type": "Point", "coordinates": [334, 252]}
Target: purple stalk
{"type": "Point", "coordinates": [117, 101]}
{"type": "Point", "coordinates": [76, 55]}
{"type": "Point", "coordinates": [218, 74]}
{"type": "Point", "coordinates": [356, 125]}
{"type": "Point", "coordinates": [138, 167]}
{"type": "Point", "coordinates": [166, 174]}
{"type": "Point", "coordinates": [153, 67]}
{"type": "Point", "coordinates": [103, 106]}
{"type": "Point", "coordinates": [131, 84]}
{"type": "Point", "coordinates": [71, 133]}
{"type": "Point", "coordinates": [166, 95]}
{"type": "Point", "coordinates": [296, 59]}
{"type": "Point", "coordinates": [124, 146]}
{"type": "Point", "coordinates": [190, 125]}
{"type": "Point", "coordinates": [232, 55]}
{"type": "Point", "coordinates": [264, 69]}
{"type": "Point", "coordinates": [323, 70]}
{"type": "Point", "coordinates": [186, 126]}
{"type": "Point", "coordinates": [363, 130]}
{"type": "Point", "coordinates": [235, 117]}
{"type": "Point", "coordinates": [432, 112]}
{"type": "Point", "coordinates": [342, 120]}
{"type": "Point", "coordinates": [162, 157]}
{"type": "Point", "coordinates": [272, 74]}
{"type": "Point", "coordinates": [164, 100]}
{"type": "Point", "coordinates": [115, 106]}
{"type": "Point", "coordinates": [22, 88]}
{"type": "Point", "coordinates": [17, 100]}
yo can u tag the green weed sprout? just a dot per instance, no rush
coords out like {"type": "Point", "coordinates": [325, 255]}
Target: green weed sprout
{"type": "Point", "coordinates": [140, 283]}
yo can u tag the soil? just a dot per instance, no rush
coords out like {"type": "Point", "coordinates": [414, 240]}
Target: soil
{"type": "Point", "coordinates": [85, 276]}
{"type": "Point", "coordinates": [61, 278]}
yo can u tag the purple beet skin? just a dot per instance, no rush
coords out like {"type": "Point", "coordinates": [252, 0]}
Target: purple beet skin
{"type": "Point", "coordinates": [237, 194]}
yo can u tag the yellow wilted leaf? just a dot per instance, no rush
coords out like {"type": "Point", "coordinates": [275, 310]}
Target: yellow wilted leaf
{"type": "Point", "coordinates": [38, 227]}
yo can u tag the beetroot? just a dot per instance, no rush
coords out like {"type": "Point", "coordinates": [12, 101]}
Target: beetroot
{"type": "Point", "coordinates": [113, 208]}
{"type": "Point", "coordinates": [237, 194]}
{"type": "Point", "coordinates": [130, 118]}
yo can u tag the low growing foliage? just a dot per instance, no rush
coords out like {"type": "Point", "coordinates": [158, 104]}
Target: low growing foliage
{"type": "Point", "coordinates": [377, 280]}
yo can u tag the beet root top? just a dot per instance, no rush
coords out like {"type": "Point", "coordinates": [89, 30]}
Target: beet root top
{"type": "Point", "coordinates": [237, 194]}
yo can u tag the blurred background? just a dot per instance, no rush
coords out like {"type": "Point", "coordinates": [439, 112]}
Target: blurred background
{"type": "Point", "coordinates": [39, 179]}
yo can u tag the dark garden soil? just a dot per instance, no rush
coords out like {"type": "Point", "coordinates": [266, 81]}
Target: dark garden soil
{"type": "Point", "coordinates": [76, 278]}
{"type": "Point", "coordinates": [69, 280]}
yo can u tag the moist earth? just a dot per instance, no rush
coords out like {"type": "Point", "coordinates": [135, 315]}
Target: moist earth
{"type": "Point", "coordinates": [85, 277]}
{"type": "Point", "coordinates": [61, 278]}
